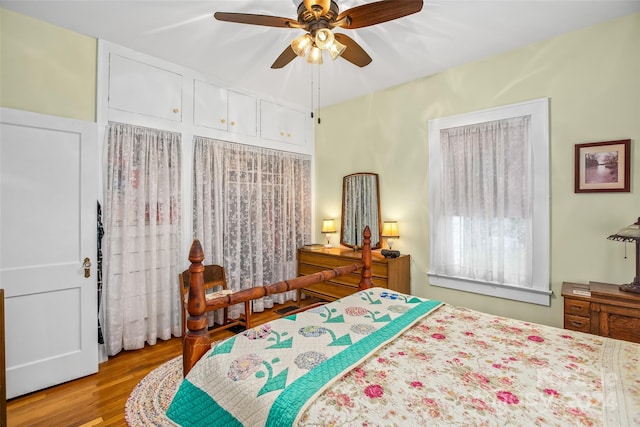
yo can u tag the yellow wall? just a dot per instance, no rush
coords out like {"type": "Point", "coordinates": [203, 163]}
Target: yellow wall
{"type": "Point", "coordinates": [590, 75]}
{"type": "Point", "coordinates": [46, 69]}
{"type": "Point", "coordinates": [592, 78]}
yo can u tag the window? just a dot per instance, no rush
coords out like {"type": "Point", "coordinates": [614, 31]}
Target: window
{"type": "Point", "coordinates": [489, 202]}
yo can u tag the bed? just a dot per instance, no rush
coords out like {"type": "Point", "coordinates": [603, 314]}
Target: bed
{"type": "Point", "coordinates": [379, 357]}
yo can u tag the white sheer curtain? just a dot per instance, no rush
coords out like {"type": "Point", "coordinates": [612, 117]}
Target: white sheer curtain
{"type": "Point", "coordinates": [483, 212]}
{"type": "Point", "coordinates": [252, 211]}
{"type": "Point", "coordinates": [141, 299]}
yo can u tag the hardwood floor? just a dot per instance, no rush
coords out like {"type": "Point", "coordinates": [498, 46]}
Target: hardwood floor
{"type": "Point", "coordinates": [99, 399]}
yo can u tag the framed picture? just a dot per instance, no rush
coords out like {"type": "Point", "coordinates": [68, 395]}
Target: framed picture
{"type": "Point", "coordinates": [603, 167]}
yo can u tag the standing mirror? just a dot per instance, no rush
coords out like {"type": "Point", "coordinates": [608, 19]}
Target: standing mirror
{"type": "Point", "coordinates": [360, 207]}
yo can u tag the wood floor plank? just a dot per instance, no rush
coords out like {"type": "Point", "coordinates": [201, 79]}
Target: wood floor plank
{"type": "Point", "coordinates": [99, 399]}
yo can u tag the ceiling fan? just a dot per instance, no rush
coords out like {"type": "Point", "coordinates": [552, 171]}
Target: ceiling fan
{"type": "Point", "coordinates": [318, 17]}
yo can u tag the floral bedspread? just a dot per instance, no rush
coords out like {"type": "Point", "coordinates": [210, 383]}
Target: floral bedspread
{"type": "Point", "coordinates": [269, 374]}
{"type": "Point", "coordinates": [465, 368]}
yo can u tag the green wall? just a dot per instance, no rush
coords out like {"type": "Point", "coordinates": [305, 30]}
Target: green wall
{"type": "Point", "coordinates": [46, 69]}
{"type": "Point", "coordinates": [592, 78]}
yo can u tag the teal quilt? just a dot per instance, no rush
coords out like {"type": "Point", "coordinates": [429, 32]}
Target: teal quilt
{"type": "Point", "coordinates": [268, 375]}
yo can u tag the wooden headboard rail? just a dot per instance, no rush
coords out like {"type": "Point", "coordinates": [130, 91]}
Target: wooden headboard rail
{"type": "Point", "coordinates": [197, 342]}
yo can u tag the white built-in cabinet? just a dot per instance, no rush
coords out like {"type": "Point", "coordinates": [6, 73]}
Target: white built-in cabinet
{"type": "Point", "coordinates": [219, 108]}
{"type": "Point", "coordinates": [280, 123]}
{"type": "Point", "coordinates": [136, 87]}
{"type": "Point", "coordinates": [149, 92]}
{"type": "Point", "coordinates": [141, 90]}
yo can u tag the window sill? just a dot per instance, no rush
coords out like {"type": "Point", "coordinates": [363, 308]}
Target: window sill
{"type": "Point", "coordinates": [528, 295]}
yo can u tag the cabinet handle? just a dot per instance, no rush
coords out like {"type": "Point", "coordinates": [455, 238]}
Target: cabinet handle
{"type": "Point", "coordinates": [577, 307]}
{"type": "Point", "coordinates": [288, 135]}
{"type": "Point", "coordinates": [233, 123]}
{"type": "Point", "coordinates": [281, 133]}
{"type": "Point", "coordinates": [223, 121]}
{"type": "Point", "coordinates": [175, 110]}
{"type": "Point", "coordinates": [577, 324]}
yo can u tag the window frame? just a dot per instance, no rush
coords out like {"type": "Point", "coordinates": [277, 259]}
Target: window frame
{"type": "Point", "coordinates": [538, 110]}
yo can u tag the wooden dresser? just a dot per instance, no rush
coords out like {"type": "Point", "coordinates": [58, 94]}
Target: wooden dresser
{"type": "Point", "coordinates": [602, 309]}
{"type": "Point", "coordinates": [391, 273]}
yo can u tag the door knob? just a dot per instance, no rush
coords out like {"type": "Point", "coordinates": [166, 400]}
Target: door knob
{"type": "Point", "coordinates": [87, 267]}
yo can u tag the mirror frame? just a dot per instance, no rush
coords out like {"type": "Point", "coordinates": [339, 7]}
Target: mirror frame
{"type": "Point", "coordinates": [357, 234]}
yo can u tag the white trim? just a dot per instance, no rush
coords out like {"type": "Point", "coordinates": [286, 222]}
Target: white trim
{"type": "Point", "coordinates": [530, 295]}
{"type": "Point", "coordinates": [538, 109]}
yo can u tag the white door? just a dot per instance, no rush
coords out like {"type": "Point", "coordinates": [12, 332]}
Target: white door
{"type": "Point", "coordinates": [48, 196]}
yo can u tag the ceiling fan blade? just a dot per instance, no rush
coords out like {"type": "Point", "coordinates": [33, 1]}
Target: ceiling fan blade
{"type": "Point", "coordinates": [377, 12]}
{"type": "Point", "coordinates": [354, 53]}
{"type": "Point", "coordinates": [248, 18]}
{"type": "Point", "coordinates": [324, 4]}
{"type": "Point", "coordinates": [285, 57]}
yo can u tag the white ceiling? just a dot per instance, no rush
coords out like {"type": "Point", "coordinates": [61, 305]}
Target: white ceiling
{"type": "Point", "coordinates": [444, 34]}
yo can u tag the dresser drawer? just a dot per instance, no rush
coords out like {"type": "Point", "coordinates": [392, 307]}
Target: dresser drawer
{"type": "Point", "coordinates": [576, 307]}
{"type": "Point", "coordinates": [379, 268]}
{"type": "Point", "coordinates": [352, 279]}
{"type": "Point", "coordinates": [604, 310]}
{"type": "Point", "coordinates": [328, 291]}
{"type": "Point", "coordinates": [390, 273]}
{"type": "Point", "coordinates": [577, 323]}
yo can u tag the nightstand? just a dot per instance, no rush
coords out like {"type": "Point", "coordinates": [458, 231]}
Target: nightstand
{"type": "Point", "coordinates": [602, 309]}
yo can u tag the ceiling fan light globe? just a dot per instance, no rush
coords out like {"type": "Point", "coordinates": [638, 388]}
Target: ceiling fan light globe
{"type": "Point", "coordinates": [324, 38]}
{"type": "Point", "coordinates": [315, 56]}
{"type": "Point", "coordinates": [301, 45]}
{"type": "Point", "coordinates": [336, 49]}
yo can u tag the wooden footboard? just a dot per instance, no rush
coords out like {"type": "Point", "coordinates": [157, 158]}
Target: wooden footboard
{"type": "Point", "coordinates": [197, 341]}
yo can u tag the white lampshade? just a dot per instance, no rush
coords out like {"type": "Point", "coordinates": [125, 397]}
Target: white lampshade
{"type": "Point", "coordinates": [628, 234]}
{"type": "Point", "coordinates": [390, 231]}
{"type": "Point", "coordinates": [336, 49]}
{"type": "Point", "coordinates": [328, 225]}
{"type": "Point", "coordinates": [324, 38]}
{"type": "Point", "coordinates": [301, 45]}
{"type": "Point", "coordinates": [315, 56]}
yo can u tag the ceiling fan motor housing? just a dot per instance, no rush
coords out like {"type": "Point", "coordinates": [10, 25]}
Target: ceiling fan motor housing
{"type": "Point", "coordinates": [313, 21]}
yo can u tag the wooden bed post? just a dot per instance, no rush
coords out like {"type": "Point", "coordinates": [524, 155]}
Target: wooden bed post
{"type": "Point", "coordinates": [365, 275]}
{"type": "Point", "coordinates": [196, 341]}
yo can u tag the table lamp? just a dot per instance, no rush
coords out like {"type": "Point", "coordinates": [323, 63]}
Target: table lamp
{"type": "Point", "coordinates": [631, 233]}
{"type": "Point", "coordinates": [328, 227]}
{"type": "Point", "coordinates": [390, 231]}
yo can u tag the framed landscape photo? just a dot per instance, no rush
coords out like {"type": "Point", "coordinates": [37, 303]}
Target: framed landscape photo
{"type": "Point", "coordinates": [603, 167]}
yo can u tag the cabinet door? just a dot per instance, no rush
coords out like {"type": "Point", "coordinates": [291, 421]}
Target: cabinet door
{"type": "Point", "coordinates": [295, 126]}
{"type": "Point", "coordinates": [242, 114]}
{"type": "Point", "coordinates": [210, 105]}
{"type": "Point", "coordinates": [280, 123]}
{"type": "Point", "coordinates": [144, 89]}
